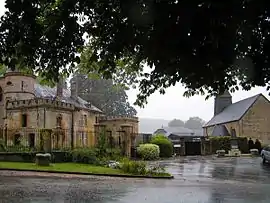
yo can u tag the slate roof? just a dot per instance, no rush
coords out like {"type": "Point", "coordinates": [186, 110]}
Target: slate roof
{"type": "Point", "coordinates": [179, 131]}
{"type": "Point", "coordinates": [220, 130]}
{"type": "Point", "coordinates": [49, 93]}
{"type": "Point", "coordinates": [198, 132]}
{"type": "Point", "coordinates": [234, 112]}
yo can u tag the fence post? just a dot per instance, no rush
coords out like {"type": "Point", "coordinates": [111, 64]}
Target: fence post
{"type": "Point", "coordinates": [5, 136]}
{"type": "Point", "coordinates": [72, 131]}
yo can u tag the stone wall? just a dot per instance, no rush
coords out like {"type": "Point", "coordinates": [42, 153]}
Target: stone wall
{"type": "Point", "coordinates": [256, 122]}
{"type": "Point", "coordinates": [123, 128]}
{"type": "Point", "coordinates": [234, 125]}
{"type": "Point", "coordinates": [84, 122]}
{"type": "Point", "coordinates": [38, 118]}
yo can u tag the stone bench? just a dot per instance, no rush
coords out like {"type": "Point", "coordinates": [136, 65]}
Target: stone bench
{"type": "Point", "coordinates": [43, 159]}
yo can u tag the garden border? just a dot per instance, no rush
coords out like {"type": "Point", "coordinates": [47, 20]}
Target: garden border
{"type": "Point", "coordinates": [83, 173]}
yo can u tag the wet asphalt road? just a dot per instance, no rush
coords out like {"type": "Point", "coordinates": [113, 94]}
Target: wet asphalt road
{"type": "Point", "coordinates": [197, 179]}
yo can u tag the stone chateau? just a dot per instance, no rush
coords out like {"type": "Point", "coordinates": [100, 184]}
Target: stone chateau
{"type": "Point", "coordinates": [28, 108]}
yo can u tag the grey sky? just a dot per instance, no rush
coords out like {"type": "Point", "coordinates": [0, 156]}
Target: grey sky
{"type": "Point", "coordinates": [173, 104]}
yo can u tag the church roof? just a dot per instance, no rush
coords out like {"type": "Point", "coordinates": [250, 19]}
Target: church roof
{"type": "Point", "coordinates": [234, 112]}
{"type": "Point", "coordinates": [50, 93]}
{"type": "Point", "coordinates": [179, 131]}
{"type": "Point", "coordinates": [220, 130]}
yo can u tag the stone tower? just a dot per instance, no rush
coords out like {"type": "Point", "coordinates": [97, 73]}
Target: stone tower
{"type": "Point", "coordinates": [15, 85]}
{"type": "Point", "coordinates": [222, 101]}
{"type": "Point", "coordinates": [18, 86]}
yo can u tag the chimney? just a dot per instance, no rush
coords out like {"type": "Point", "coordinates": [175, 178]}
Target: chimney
{"type": "Point", "coordinates": [74, 88]}
{"type": "Point", "coordinates": [59, 88]}
{"type": "Point", "coordinates": [222, 102]}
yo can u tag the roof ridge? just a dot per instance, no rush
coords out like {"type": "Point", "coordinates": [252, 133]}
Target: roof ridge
{"type": "Point", "coordinates": [82, 102]}
{"type": "Point", "coordinates": [246, 99]}
{"type": "Point", "coordinates": [231, 109]}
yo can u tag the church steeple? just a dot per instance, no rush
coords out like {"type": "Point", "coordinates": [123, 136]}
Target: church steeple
{"type": "Point", "coordinates": [222, 101]}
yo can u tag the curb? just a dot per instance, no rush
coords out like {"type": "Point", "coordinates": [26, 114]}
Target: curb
{"type": "Point", "coordinates": [83, 173]}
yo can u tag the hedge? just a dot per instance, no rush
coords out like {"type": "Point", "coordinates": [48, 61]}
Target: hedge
{"type": "Point", "coordinates": [224, 143]}
{"type": "Point", "coordinates": [165, 145]}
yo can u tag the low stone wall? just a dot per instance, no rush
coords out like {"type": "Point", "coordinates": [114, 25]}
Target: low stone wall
{"type": "Point", "coordinates": [57, 157]}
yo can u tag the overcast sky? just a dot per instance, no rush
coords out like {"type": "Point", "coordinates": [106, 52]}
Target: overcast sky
{"type": "Point", "coordinates": [174, 105]}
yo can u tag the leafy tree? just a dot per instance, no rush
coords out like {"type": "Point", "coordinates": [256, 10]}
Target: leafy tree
{"type": "Point", "coordinates": [107, 94]}
{"type": "Point", "coordinates": [176, 123]}
{"type": "Point", "coordinates": [206, 45]}
{"type": "Point", "coordinates": [112, 100]}
{"type": "Point", "coordinates": [124, 74]}
{"type": "Point", "coordinates": [41, 78]}
{"type": "Point", "coordinates": [194, 123]}
{"type": "Point", "coordinates": [3, 69]}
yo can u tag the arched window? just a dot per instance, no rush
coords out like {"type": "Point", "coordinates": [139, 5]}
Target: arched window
{"type": "Point", "coordinates": [1, 94]}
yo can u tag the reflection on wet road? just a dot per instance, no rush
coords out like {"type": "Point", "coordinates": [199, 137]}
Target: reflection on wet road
{"type": "Point", "coordinates": [197, 179]}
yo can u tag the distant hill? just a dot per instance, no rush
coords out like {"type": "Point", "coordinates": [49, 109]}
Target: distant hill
{"type": "Point", "coordinates": [150, 125]}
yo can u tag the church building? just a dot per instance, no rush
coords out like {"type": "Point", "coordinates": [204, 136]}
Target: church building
{"type": "Point", "coordinates": [249, 118]}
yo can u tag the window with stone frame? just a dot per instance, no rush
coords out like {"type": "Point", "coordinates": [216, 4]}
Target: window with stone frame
{"type": "Point", "coordinates": [59, 121]}
{"type": "Point", "coordinates": [24, 120]}
{"type": "Point", "coordinates": [81, 123]}
{"type": "Point", "coordinates": [82, 138]}
{"type": "Point", "coordinates": [85, 120]}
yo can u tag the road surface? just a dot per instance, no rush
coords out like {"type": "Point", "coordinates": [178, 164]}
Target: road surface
{"type": "Point", "coordinates": [197, 179]}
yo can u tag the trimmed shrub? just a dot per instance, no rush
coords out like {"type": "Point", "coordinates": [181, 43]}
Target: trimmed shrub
{"type": "Point", "coordinates": [148, 151]}
{"type": "Point", "coordinates": [165, 145]}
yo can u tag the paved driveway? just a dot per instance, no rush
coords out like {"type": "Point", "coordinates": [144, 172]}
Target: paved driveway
{"type": "Point", "coordinates": [197, 179]}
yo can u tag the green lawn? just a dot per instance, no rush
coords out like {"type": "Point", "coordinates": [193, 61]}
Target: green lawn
{"type": "Point", "coordinates": [66, 167]}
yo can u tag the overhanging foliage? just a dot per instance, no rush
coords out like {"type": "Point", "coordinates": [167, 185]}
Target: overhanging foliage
{"type": "Point", "coordinates": [206, 45]}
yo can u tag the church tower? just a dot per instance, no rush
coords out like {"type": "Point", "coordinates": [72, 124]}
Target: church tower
{"type": "Point", "coordinates": [222, 101]}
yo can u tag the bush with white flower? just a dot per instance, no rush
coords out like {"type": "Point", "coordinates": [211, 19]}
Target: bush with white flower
{"type": "Point", "coordinates": [148, 151]}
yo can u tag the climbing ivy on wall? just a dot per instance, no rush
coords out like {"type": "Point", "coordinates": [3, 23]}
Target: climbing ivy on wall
{"type": "Point", "coordinates": [44, 136]}
{"type": "Point", "coordinates": [102, 142]}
